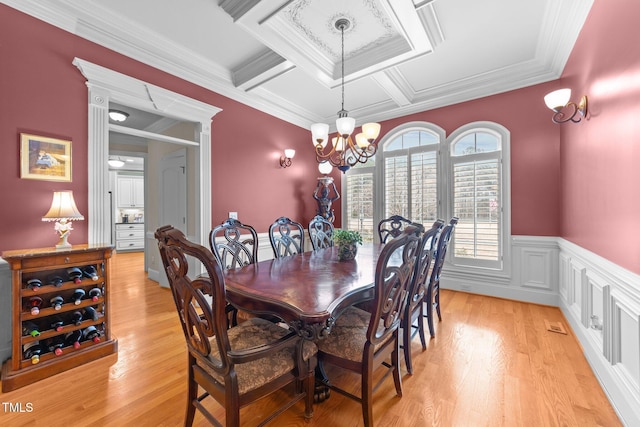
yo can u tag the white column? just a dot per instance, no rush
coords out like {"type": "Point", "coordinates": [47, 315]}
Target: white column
{"type": "Point", "coordinates": [203, 202]}
{"type": "Point", "coordinates": [98, 174]}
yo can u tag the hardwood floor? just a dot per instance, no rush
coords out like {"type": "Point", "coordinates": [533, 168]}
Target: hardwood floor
{"type": "Point", "coordinates": [492, 363]}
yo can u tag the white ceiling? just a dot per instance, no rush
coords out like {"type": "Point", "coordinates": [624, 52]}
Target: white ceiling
{"type": "Point", "coordinates": [283, 56]}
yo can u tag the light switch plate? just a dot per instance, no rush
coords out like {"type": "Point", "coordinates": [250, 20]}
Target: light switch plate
{"type": "Point", "coordinates": [233, 215]}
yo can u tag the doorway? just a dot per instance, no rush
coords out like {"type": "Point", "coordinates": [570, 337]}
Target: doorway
{"type": "Point", "coordinates": [106, 86]}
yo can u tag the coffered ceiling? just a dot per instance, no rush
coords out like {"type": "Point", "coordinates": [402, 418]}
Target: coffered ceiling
{"type": "Point", "coordinates": [284, 56]}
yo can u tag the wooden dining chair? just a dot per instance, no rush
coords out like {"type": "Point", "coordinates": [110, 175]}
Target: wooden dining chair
{"type": "Point", "coordinates": [320, 233]}
{"type": "Point", "coordinates": [392, 227]}
{"type": "Point", "coordinates": [413, 320]}
{"type": "Point", "coordinates": [361, 341]}
{"type": "Point", "coordinates": [235, 366]}
{"type": "Point", "coordinates": [287, 237]}
{"type": "Point", "coordinates": [432, 297]}
{"type": "Point", "coordinates": [235, 245]}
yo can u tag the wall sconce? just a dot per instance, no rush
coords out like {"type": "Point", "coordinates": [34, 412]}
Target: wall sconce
{"type": "Point", "coordinates": [63, 210]}
{"type": "Point", "coordinates": [565, 110]}
{"type": "Point", "coordinates": [285, 161]}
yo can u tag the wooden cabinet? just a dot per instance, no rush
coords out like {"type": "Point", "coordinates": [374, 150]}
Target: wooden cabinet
{"type": "Point", "coordinates": [64, 316]}
{"type": "Point", "coordinates": [129, 236]}
{"type": "Point", "coordinates": [130, 191]}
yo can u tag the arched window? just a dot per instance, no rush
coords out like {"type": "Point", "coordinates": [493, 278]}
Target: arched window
{"type": "Point", "coordinates": [402, 179]}
{"type": "Point", "coordinates": [410, 174]}
{"type": "Point", "coordinates": [479, 196]}
{"type": "Point", "coordinates": [423, 176]}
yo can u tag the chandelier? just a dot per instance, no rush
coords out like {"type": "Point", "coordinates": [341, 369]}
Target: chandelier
{"type": "Point", "coordinates": [343, 153]}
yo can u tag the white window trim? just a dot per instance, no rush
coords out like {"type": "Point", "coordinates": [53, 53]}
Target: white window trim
{"type": "Point", "coordinates": [445, 199]}
{"type": "Point", "coordinates": [379, 172]}
{"type": "Point", "coordinates": [466, 264]}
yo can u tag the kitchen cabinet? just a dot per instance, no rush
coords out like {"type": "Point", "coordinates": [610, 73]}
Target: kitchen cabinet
{"type": "Point", "coordinates": [130, 191]}
{"type": "Point", "coordinates": [130, 236]}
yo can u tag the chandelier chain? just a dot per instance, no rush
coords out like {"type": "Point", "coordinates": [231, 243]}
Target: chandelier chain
{"type": "Point", "coordinates": [342, 32]}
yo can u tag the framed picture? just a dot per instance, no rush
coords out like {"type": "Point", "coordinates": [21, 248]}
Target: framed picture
{"type": "Point", "coordinates": [44, 158]}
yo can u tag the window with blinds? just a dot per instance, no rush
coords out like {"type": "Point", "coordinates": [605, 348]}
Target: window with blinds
{"type": "Point", "coordinates": [359, 206]}
{"type": "Point", "coordinates": [410, 176]}
{"type": "Point", "coordinates": [477, 205]}
{"type": "Point", "coordinates": [422, 175]}
{"type": "Point", "coordinates": [476, 184]}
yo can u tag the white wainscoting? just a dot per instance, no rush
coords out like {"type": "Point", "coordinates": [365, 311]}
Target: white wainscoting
{"type": "Point", "coordinates": [600, 300]}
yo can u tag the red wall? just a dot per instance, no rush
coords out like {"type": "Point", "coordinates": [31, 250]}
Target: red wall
{"type": "Point", "coordinates": [535, 151]}
{"type": "Point", "coordinates": [600, 157]}
{"type": "Point", "coordinates": [41, 92]}
{"type": "Point", "coordinates": [579, 181]}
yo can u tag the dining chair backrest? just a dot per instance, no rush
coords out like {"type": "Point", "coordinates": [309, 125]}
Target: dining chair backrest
{"type": "Point", "coordinates": [273, 357]}
{"type": "Point", "coordinates": [391, 287]}
{"type": "Point", "coordinates": [234, 244]}
{"type": "Point", "coordinates": [422, 267]}
{"type": "Point", "coordinates": [320, 233]}
{"type": "Point", "coordinates": [391, 227]}
{"type": "Point", "coordinates": [441, 250]}
{"type": "Point", "coordinates": [412, 321]}
{"type": "Point", "coordinates": [190, 295]}
{"type": "Point", "coordinates": [432, 297]}
{"type": "Point", "coordinates": [287, 237]}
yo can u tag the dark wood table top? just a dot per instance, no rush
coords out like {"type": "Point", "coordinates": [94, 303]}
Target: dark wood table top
{"type": "Point", "coordinates": [307, 290]}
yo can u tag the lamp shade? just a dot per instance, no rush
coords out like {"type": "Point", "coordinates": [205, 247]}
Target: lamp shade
{"type": "Point", "coordinates": [557, 99]}
{"type": "Point", "coordinates": [325, 168]}
{"type": "Point", "coordinates": [320, 134]}
{"type": "Point", "coordinates": [63, 207]}
{"type": "Point", "coordinates": [371, 131]}
{"type": "Point", "coordinates": [345, 125]}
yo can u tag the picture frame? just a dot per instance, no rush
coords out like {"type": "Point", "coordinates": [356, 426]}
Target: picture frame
{"type": "Point", "coordinates": [45, 158]}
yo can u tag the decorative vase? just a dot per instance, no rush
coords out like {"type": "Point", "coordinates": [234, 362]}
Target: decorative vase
{"type": "Point", "coordinates": [347, 252]}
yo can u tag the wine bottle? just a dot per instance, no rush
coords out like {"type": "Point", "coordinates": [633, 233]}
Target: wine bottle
{"type": "Point", "coordinates": [34, 305]}
{"type": "Point", "coordinates": [90, 313]}
{"type": "Point", "coordinates": [56, 302]}
{"type": "Point", "coordinates": [91, 272]}
{"type": "Point", "coordinates": [76, 318]}
{"type": "Point", "coordinates": [73, 338]}
{"type": "Point", "coordinates": [91, 334]}
{"type": "Point", "coordinates": [74, 274]}
{"type": "Point", "coordinates": [34, 284]}
{"type": "Point", "coordinates": [55, 344]}
{"type": "Point", "coordinates": [32, 351]}
{"type": "Point", "coordinates": [30, 328]}
{"type": "Point", "coordinates": [57, 323]}
{"type": "Point", "coordinates": [56, 281]}
{"type": "Point", "coordinates": [77, 296]}
{"type": "Point", "coordinates": [95, 293]}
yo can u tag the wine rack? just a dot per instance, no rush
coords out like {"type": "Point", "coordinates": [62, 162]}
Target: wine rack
{"type": "Point", "coordinates": [45, 324]}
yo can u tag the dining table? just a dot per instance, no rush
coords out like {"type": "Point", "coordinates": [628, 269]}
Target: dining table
{"type": "Point", "coordinates": [309, 290]}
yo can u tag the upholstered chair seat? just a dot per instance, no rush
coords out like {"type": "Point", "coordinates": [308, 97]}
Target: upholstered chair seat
{"type": "Point", "coordinates": [253, 333]}
{"type": "Point", "coordinates": [349, 335]}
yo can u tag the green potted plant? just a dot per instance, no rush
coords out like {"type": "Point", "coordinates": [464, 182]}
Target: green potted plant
{"type": "Point", "coordinates": [347, 242]}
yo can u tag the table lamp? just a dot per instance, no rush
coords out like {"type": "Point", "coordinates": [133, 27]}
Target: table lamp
{"type": "Point", "coordinates": [63, 210]}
